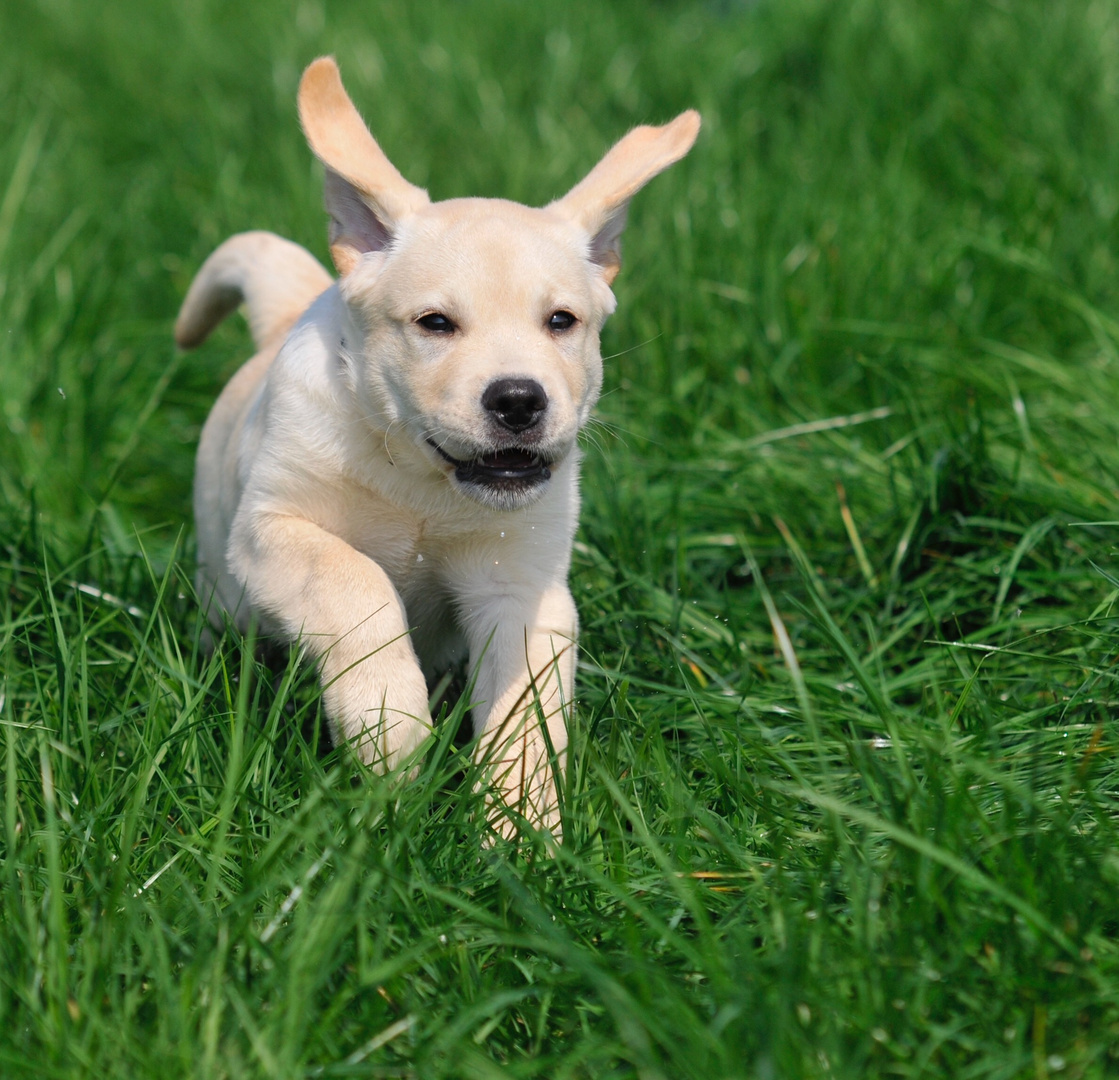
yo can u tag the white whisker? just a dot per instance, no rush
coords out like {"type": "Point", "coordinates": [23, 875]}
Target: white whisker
{"type": "Point", "coordinates": [634, 348]}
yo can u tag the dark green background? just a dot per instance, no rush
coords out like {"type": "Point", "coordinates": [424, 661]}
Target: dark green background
{"type": "Point", "coordinates": [844, 795]}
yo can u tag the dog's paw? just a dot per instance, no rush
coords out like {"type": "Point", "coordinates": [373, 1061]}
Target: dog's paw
{"type": "Point", "coordinates": [382, 714]}
{"type": "Point", "coordinates": [520, 788]}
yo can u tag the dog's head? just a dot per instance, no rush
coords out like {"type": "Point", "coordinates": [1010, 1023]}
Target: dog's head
{"type": "Point", "coordinates": [478, 319]}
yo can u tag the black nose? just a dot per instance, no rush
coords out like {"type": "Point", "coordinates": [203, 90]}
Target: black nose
{"type": "Point", "coordinates": [517, 404]}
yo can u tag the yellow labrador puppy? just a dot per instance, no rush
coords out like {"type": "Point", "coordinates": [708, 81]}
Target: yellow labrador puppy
{"type": "Point", "coordinates": [392, 481]}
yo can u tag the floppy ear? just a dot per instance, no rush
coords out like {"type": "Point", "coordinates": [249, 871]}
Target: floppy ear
{"type": "Point", "coordinates": [365, 196]}
{"type": "Point", "coordinates": [598, 203]}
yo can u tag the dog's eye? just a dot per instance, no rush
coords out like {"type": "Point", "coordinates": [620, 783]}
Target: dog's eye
{"type": "Point", "coordinates": [561, 320]}
{"type": "Point", "coordinates": [436, 323]}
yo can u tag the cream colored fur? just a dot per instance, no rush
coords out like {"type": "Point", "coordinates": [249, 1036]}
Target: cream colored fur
{"type": "Point", "coordinates": [347, 486]}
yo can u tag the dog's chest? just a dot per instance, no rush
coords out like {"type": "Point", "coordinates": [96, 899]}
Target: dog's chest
{"type": "Point", "coordinates": [427, 572]}
{"type": "Point", "coordinates": [417, 560]}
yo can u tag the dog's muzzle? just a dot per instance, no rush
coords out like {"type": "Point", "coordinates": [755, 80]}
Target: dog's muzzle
{"type": "Point", "coordinates": [510, 467]}
{"type": "Point", "coordinates": [516, 472]}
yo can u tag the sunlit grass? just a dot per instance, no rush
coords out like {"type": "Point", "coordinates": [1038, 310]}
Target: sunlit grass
{"type": "Point", "coordinates": [844, 794]}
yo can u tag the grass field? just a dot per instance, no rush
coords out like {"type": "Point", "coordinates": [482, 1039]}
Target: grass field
{"type": "Point", "coordinates": [844, 800]}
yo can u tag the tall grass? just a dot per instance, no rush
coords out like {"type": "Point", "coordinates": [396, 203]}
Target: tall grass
{"type": "Point", "coordinates": [844, 795]}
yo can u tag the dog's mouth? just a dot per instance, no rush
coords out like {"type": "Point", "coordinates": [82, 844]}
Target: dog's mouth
{"type": "Point", "coordinates": [511, 465]}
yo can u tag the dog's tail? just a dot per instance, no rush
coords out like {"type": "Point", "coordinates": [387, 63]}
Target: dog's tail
{"type": "Point", "coordinates": [274, 278]}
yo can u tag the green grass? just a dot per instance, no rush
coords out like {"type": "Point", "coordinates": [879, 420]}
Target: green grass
{"type": "Point", "coordinates": [845, 791]}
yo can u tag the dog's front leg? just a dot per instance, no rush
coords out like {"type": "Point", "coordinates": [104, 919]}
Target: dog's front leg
{"type": "Point", "coordinates": [343, 609]}
{"type": "Point", "coordinates": [523, 648]}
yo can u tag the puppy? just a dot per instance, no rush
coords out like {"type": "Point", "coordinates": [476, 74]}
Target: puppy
{"type": "Point", "coordinates": [392, 481]}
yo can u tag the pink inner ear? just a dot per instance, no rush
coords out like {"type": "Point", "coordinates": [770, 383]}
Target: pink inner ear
{"type": "Point", "coordinates": [354, 222]}
{"type": "Point", "coordinates": [606, 243]}
{"type": "Point", "coordinates": [598, 202]}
